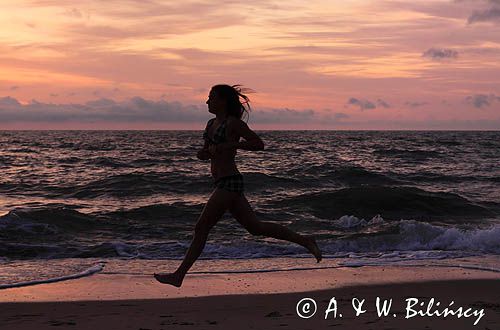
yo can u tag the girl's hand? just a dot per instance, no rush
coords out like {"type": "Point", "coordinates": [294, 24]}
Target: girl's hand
{"type": "Point", "coordinates": [212, 149]}
{"type": "Point", "coordinates": [203, 154]}
{"type": "Point", "coordinates": [222, 148]}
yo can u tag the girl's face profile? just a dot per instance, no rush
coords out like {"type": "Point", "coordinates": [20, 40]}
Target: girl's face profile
{"type": "Point", "coordinates": [215, 103]}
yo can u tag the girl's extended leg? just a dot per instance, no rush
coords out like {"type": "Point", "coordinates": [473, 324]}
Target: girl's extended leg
{"type": "Point", "coordinates": [217, 204]}
{"type": "Point", "coordinates": [243, 213]}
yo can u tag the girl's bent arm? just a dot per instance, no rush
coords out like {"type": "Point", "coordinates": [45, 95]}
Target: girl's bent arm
{"type": "Point", "coordinates": [252, 140]}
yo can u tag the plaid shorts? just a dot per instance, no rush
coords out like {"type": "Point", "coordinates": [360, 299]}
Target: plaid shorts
{"type": "Point", "coordinates": [231, 183]}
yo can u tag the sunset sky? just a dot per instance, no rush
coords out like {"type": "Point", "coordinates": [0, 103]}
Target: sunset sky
{"type": "Point", "coordinates": [350, 64]}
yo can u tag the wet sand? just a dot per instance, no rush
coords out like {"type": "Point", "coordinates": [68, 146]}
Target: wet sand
{"type": "Point", "coordinates": [258, 300]}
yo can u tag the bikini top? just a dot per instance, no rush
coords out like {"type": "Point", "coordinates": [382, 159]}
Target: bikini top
{"type": "Point", "coordinates": [219, 135]}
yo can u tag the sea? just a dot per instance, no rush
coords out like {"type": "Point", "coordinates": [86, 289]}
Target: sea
{"type": "Point", "coordinates": [74, 202]}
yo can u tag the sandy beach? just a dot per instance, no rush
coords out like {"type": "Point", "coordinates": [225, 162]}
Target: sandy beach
{"type": "Point", "coordinates": [262, 300]}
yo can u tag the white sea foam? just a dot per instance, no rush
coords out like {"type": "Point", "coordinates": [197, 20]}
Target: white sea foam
{"type": "Point", "coordinates": [411, 235]}
{"type": "Point", "coordinates": [89, 271]}
{"type": "Point", "coordinates": [350, 221]}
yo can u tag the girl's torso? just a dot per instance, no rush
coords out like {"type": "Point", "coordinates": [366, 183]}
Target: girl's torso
{"type": "Point", "coordinates": [223, 163]}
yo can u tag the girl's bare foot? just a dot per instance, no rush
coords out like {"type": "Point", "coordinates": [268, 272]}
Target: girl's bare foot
{"type": "Point", "coordinates": [169, 278]}
{"type": "Point", "coordinates": [313, 248]}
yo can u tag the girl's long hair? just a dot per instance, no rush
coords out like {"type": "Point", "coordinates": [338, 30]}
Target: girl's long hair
{"type": "Point", "coordinates": [237, 102]}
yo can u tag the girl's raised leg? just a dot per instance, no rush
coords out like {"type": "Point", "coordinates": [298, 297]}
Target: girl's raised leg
{"type": "Point", "coordinates": [243, 213]}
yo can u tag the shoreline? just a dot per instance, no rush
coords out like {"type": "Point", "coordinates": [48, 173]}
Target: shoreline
{"type": "Point", "coordinates": [26, 273]}
{"type": "Point", "coordinates": [244, 276]}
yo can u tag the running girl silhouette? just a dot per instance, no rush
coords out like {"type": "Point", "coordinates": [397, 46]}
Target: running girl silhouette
{"type": "Point", "coordinates": [222, 139]}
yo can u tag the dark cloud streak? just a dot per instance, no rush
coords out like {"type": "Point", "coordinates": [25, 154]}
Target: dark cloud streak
{"type": "Point", "coordinates": [482, 100]}
{"type": "Point", "coordinates": [487, 15]}
{"type": "Point", "coordinates": [439, 54]}
{"type": "Point", "coordinates": [363, 104]}
{"type": "Point", "coordinates": [415, 104]}
{"type": "Point", "coordinates": [138, 109]}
